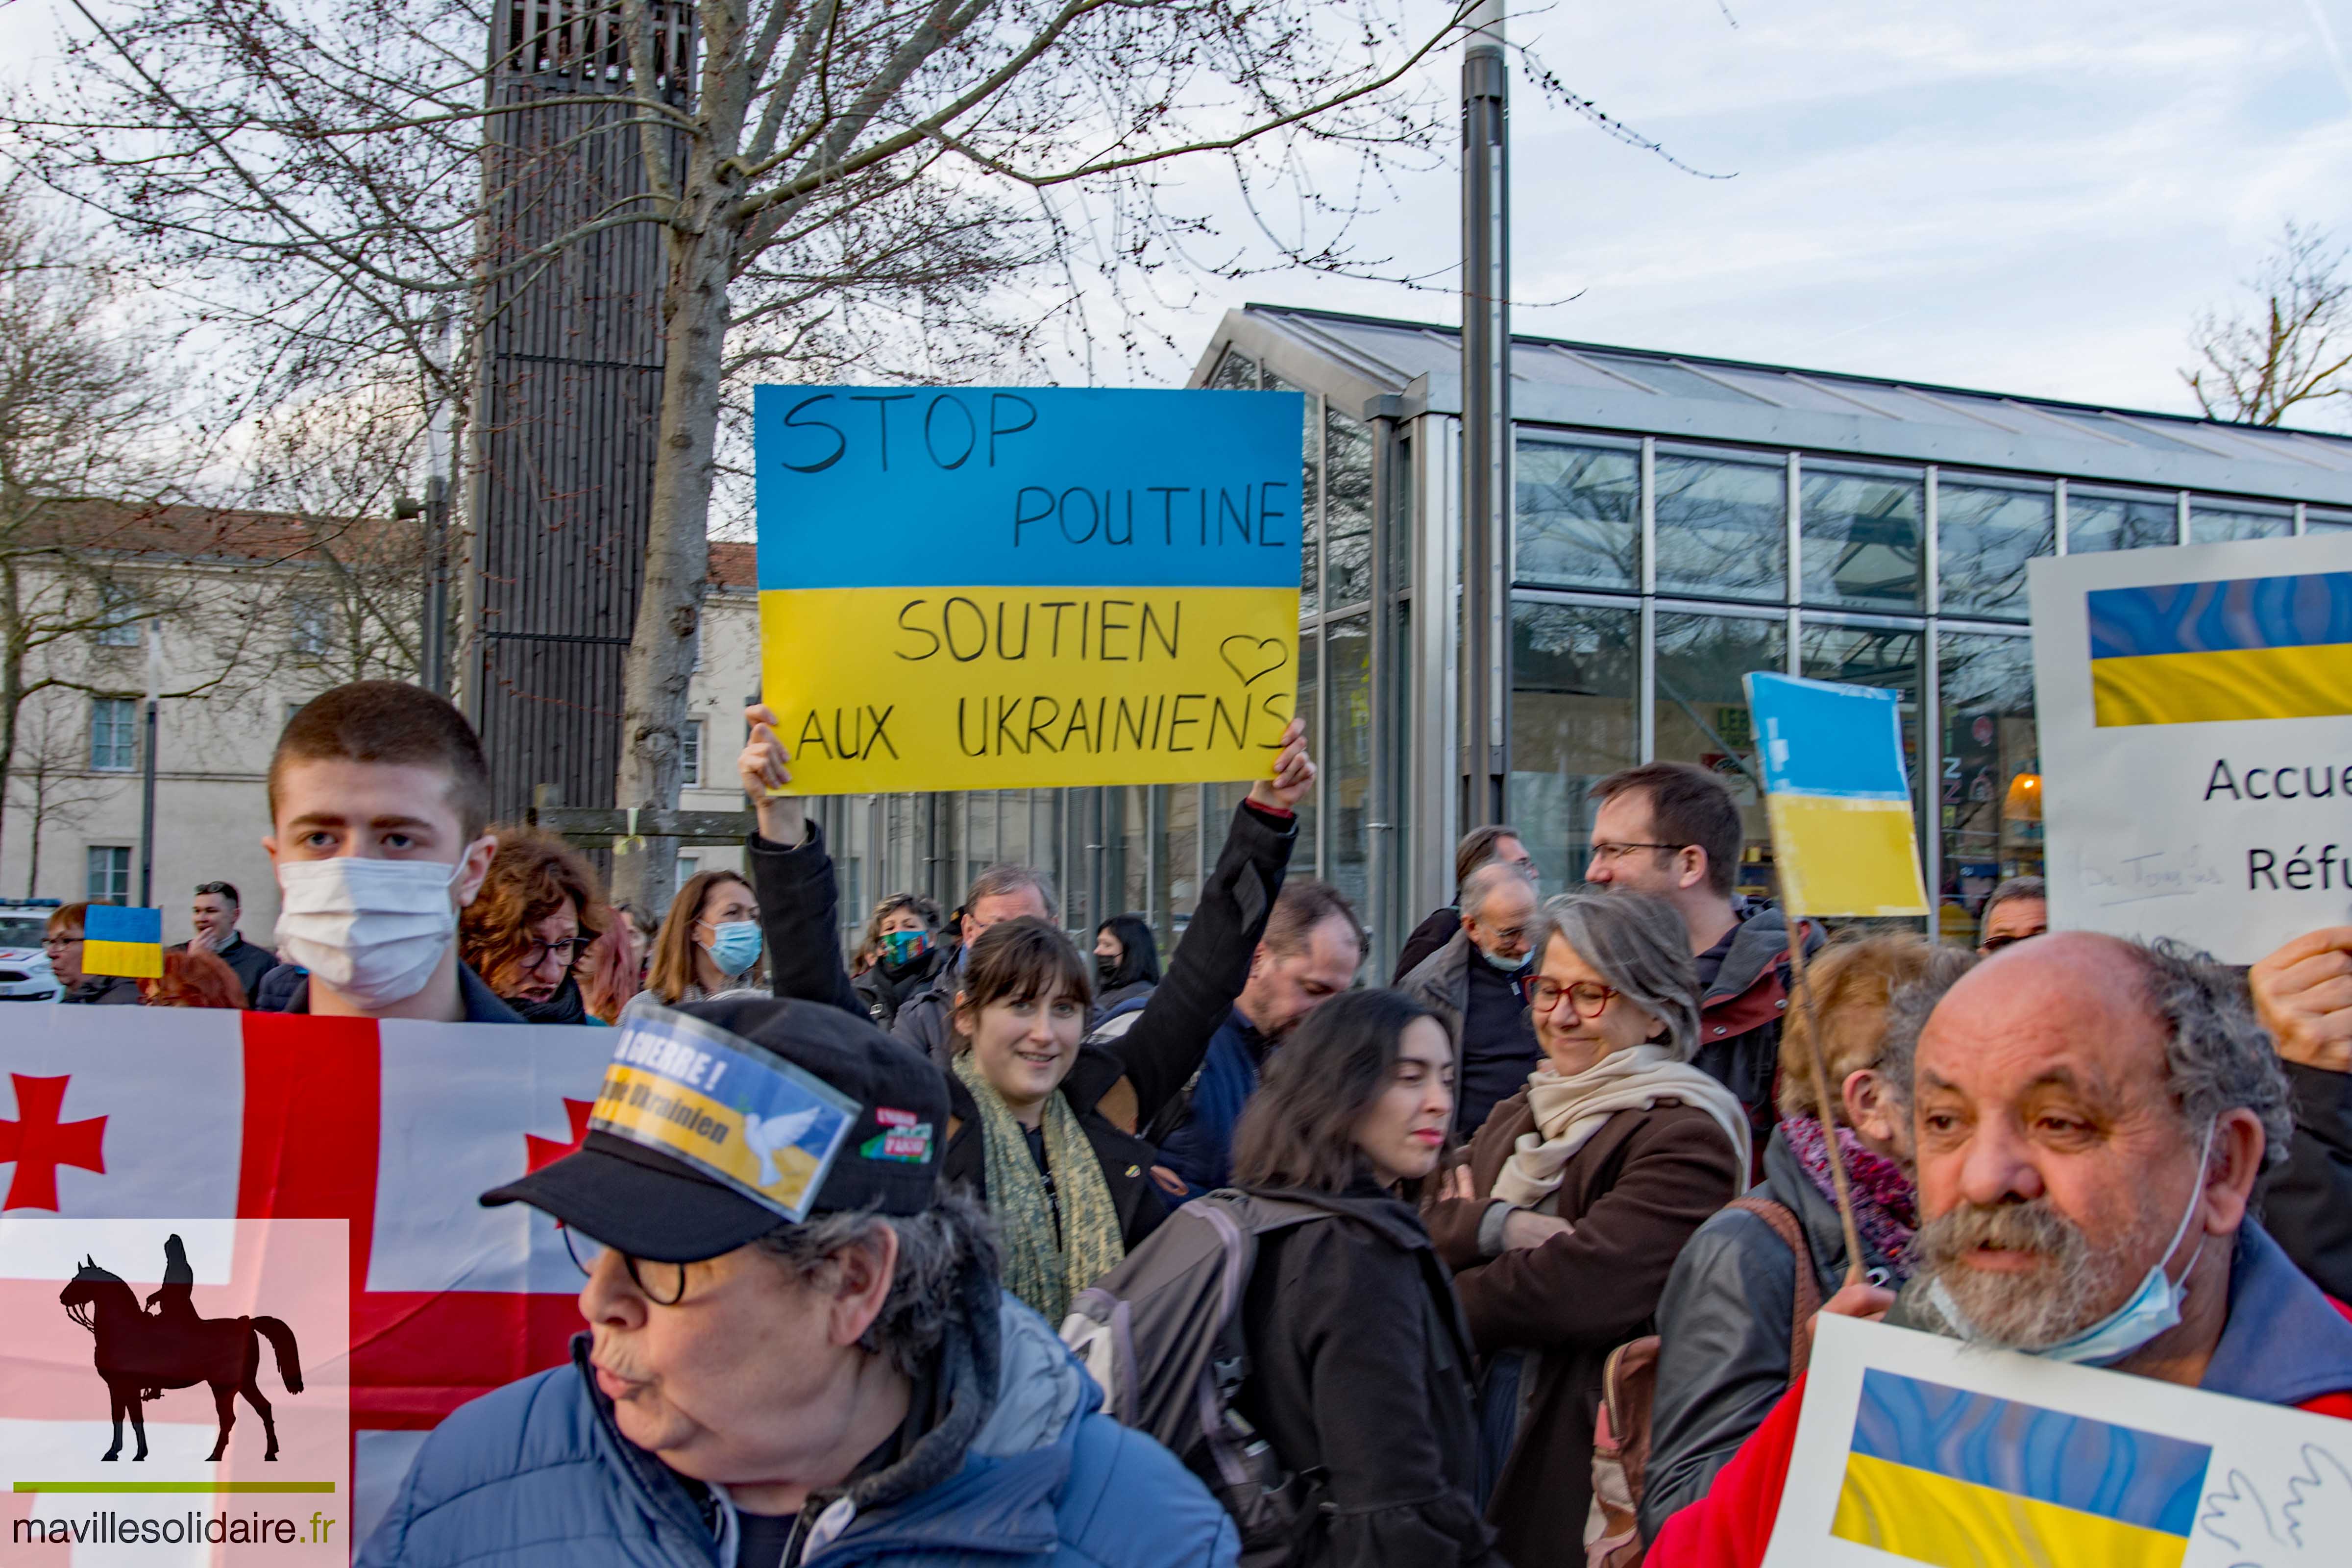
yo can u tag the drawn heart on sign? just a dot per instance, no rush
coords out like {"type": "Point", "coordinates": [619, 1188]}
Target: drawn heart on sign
{"type": "Point", "coordinates": [1249, 662]}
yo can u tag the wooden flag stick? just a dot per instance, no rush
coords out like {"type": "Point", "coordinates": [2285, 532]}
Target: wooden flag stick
{"type": "Point", "coordinates": [1824, 1106]}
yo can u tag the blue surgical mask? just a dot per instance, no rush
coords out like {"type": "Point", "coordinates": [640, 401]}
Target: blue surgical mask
{"type": "Point", "coordinates": [1508, 965]}
{"type": "Point", "coordinates": [2153, 1308]}
{"type": "Point", "coordinates": [734, 946]}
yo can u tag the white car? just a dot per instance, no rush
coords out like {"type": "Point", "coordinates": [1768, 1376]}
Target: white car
{"type": "Point", "coordinates": [25, 972]}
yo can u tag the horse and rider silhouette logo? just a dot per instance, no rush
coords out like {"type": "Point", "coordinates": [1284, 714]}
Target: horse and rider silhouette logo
{"type": "Point", "coordinates": [144, 1349]}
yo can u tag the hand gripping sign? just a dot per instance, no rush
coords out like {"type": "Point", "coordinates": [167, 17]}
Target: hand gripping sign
{"type": "Point", "coordinates": [1006, 588]}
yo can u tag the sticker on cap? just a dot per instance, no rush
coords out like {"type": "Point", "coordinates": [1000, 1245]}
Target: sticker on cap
{"type": "Point", "coordinates": [736, 1112]}
{"type": "Point", "coordinates": [901, 1138]}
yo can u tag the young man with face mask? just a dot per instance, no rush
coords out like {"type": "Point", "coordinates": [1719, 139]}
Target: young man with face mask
{"type": "Point", "coordinates": [1473, 983]}
{"type": "Point", "coordinates": [379, 806]}
{"type": "Point", "coordinates": [2089, 1118]}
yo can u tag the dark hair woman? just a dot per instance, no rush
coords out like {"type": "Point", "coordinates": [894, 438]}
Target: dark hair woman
{"type": "Point", "coordinates": [901, 946]}
{"type": "Point", "coordinates": [1361, 1360]}
{"type": "Point", "coordinates": [1069, 1187]}
{"type": "Point", "coordinates": [1127, 962]}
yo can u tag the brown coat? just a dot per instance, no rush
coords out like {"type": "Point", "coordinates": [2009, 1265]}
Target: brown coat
{"type": "Point", "coordinates": [1634, 1193]}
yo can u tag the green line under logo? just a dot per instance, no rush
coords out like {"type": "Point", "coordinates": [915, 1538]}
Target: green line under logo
{"type": "Point", "coordinates": [175, 1486]}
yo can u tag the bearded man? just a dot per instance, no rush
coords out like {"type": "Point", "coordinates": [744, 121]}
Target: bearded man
{"type": "Point", "coordinates": [2091, 1117]}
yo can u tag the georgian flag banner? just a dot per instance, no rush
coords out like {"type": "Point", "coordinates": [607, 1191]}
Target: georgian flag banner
{"type": "Point", "coordinates": [119, 1113]}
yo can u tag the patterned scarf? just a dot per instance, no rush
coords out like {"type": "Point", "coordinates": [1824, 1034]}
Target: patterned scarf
{"type": "Point", "coordinates": [1041, 1268]}
{"type": "Point", "coordinates": [1886, 1204]}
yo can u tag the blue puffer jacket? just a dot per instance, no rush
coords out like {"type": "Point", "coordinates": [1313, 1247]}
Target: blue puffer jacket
{"type": "Point", "coordinates": [1023, 1467]}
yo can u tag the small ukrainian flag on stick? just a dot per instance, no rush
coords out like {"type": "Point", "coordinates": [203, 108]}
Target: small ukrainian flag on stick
{"type": "Point", "coordinates": [116, 940]}
{"type": "Point", "coordinates": [1840, 805]}
{"type": "Point", "coordinates": [1837, 797]}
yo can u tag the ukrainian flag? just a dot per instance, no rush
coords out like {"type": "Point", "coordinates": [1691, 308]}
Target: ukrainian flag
{"type": "Point", "coordinates": [1837, 797]}
{"type": "Point", "coordinates": [2193, 653]}
{"type": "Point", "coordinates": [1962, 1480]}
{"type": "Point", "coordinates": [123, 941]}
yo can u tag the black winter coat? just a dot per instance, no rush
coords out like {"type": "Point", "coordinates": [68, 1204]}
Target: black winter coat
{"type": "Point", "coordinates": [884, 996]}
{"type": "Point", "coordinates": [2306, 1204]}
{"type": "Point", "coordinates": [1113, 1088]}
{"type": "Point", "coordinates": [1361, 1366]}
{"type": "Point", "coordinates": [1723, 1326]}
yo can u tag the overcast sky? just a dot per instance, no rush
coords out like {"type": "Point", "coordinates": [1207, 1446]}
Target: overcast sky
{"type": "Point", "coordinates": [2030, 197]}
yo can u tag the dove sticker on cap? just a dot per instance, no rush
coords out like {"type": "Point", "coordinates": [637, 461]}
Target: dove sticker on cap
{"type": "Point", "coordinates": [736, 1112]}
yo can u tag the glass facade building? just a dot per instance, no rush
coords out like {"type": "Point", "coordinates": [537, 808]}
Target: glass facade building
{"type": "Point", "coordinates": [1679, 522]}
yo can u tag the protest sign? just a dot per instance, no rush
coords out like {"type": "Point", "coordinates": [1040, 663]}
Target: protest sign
{"type": "Point", "coordinates": [207, 1120]}
{"type": "Point", "coordinates": [1837, 796]}
{"type": "Point", "coordinates": [1914, 1447]}
{"type": "Point", "coordinates": [1002, 588]}
{"type": "Point", "coordinates": [116, 940]}
{"type": "Point", "coordinates": [2195, 709]}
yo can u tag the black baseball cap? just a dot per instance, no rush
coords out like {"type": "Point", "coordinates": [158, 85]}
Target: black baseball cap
{"type": "Point", "coordinates": [705, 1101]}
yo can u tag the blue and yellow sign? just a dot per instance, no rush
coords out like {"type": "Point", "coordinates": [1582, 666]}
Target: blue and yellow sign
{"type": "Point", "coordinates": [1006, 588]}
{"type": "Point", "coordinates": [739, 1114]}
{"type": "Point", "coordinates": [1837, 796]}
{"type": "Point", "coordinates": [2201, 653]}
{"type": "Point", "coordinates": [1958, 1479]}
{"type": "Point", "coordinates": [116, 940]}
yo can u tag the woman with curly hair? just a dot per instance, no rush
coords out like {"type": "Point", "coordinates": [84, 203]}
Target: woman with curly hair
{"type": "Point", "coordinates": [540, 908]}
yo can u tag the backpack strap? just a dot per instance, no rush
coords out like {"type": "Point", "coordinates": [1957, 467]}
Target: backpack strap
{"type": "Point", "coordinates": [1808, 1300]}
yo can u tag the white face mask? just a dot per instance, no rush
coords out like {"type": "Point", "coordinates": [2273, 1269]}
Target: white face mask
{"type": "Point", "coordinates": [373, 930]}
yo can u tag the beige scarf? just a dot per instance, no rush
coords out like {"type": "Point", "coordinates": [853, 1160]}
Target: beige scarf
{"type": "Point", "coordinates": [1569, 1110]}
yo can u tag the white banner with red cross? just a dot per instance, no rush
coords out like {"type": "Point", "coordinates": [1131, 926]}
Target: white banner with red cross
{"type": "Point", "coordinates": [391, 1128]}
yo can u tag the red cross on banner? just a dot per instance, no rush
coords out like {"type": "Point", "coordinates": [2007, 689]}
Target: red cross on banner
{"type": "Point", "coordinates": [38, 1142]}
{"type": "Point", "coordinates": [310, 1148]}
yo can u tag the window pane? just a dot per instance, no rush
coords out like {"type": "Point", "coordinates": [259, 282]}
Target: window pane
{"type": "Point", "coordinates": [118, 625]}
{"type": "Point", "coordinates": [2119, 522]}
{"type": "Point", "coordinates": [1310, 494]}
{"type": "Point", "coordinates": [1573, 678]}
{"type": "Point", "coordinates": [1991, 825]}
{"type": "Point", "coordinates": [1702, 714]}
{"type": "Point", "coordinates": [2317, 521]}
{"type": "Point", "coordinates": [1347, 652]}
{"type": "Point", "coordinates": [1985, 534]}
{"type": "Point", "coordinates": [691, 757]}
{"type": "Point", "coordinates": [1348, 508]}
{"type": "Point", "coordinates": [2215, 524]}
{"type": "Point", "coordinates": [1872, 656]}
{"type": "Point", "coordinates": [1235, 372]}
{"type": "Point", "coordinates": [1862, 537]}
{"type": "Point", "coordinates": [1580, 515]}
{"type": "Point", "coordinates": [108, 881]}
{"type": "Point", "coordinates": [1723, 527]}
{"type": "Point", "coordinates": [113, 734]}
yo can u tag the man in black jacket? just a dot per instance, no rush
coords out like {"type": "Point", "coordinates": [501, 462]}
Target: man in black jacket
{"type": "Point", "coordinates": [215, 911]}
{"type": "Point", "coordinates": [2303, 993]}
{"type": "Point", "coordinates": [1479, 847]}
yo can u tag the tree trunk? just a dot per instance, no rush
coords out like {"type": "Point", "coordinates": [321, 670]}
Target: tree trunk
{"type": "Point", "coordinates": [12, 680]}
{"type": "Point", "coordinates": [659, 662]}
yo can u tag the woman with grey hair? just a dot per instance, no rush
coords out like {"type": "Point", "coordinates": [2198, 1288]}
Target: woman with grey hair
{"type": "Point", "coordinates": [1579, 1194]}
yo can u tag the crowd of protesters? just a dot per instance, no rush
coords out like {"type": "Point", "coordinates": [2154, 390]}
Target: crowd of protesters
{"type": "Point", "coordinates": [1575, 1151]}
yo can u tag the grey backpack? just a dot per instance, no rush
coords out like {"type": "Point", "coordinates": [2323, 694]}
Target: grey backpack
{"type": "Point", "coordinates": [1162, 1334]}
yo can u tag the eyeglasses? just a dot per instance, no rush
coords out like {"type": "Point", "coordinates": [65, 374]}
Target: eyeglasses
{"type": "Point", "coordinates": [568, 951]}
{"type": "Point", "coordinates": [1589, 998]}
{"type": "Point", "coordinates": [1604, 852]}
{"type": "Point", "coordinates": [58, 944]}
{"type": "Point", "coordinates": [587, 1252]}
